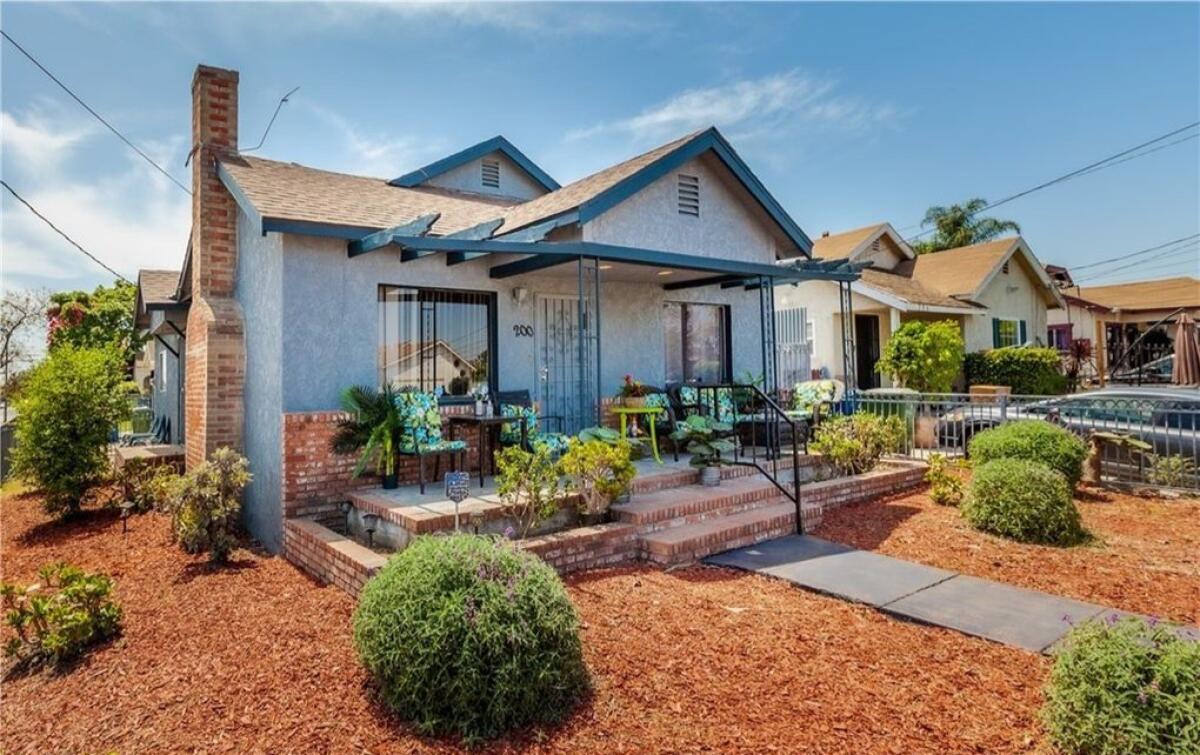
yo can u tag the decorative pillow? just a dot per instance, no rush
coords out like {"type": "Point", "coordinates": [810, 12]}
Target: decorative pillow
{"type": "Point", "coordinates": [809, 394]}
{"type": "Point", "coordinates": [510, 432]}
{"type": "Point", "coordinates": [422, 421]}
{"type": "Point", "coordinates": [689, 395]}
{"type": "Point", "coordinates": [555, 442]}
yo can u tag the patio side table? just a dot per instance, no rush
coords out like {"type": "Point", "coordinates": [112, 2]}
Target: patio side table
{"type": "Point", "coordinates": [486, 424]}
{"type": "Point", "coordinates": [644, 411]}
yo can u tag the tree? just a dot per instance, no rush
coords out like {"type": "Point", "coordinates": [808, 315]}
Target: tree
{"type": "Point", "coordinates": [924, 356]}
{"type": "Point", "coordinates": [21, 314]}
{"type": "Point", "coordinates": [101, 319]}
{"type": "Point", "coordinates": [69, 404]}
{"type": "Point", "coordinates": [957, 225]}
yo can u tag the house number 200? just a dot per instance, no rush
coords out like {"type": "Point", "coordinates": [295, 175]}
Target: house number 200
{"type": "Point", "coordinates": [523, 331]}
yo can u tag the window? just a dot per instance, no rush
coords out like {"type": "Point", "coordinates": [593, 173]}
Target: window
{"type": "Point", "coordinates": [161, 374]}
{"type": "Point", "coordinates": [697, 342]}
{"type": "Point", "coordinates": [1059, 337]}
{"type": "Point", "coordinates": [432, 338]}
{"type": "Point", "coordinates": [490, 173]}
{"type": "Point", "coordinates": [689, 195]}
{"type": "Point", "coordinates": [1007, 332]}
{"type": "Point", "coordinates": [794, 335]}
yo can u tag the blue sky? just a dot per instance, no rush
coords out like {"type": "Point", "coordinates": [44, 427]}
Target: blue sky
{"type": "Point", "coordinates": [850, 113]}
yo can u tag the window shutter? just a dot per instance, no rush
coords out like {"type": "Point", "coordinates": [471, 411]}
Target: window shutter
{"type": "Point", "coordinates": [1024, 336]}
{"type": "Point", "coordinates": [995, 332]}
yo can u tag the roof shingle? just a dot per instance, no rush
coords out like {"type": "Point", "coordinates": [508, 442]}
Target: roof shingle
{"type": "Point", "coordinates": [1165, 293]}
{"type": "Point", "coordinates": [157, 286]}
{"type": "Point", "coordinates": [959, 272]}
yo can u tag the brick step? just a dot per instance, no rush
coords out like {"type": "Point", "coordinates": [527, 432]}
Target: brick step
{"type": "Point", "coordinates": [694, 503]}
{"type": "Point", "coordinates": [695, 541]}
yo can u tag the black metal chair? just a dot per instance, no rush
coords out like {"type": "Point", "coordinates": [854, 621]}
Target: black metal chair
{"type": "Point", "coordinates": [533, 432]}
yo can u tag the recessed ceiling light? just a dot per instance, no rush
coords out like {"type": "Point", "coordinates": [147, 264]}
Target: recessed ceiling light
{"type": "Point", "coordinates": [666, 272]}
{"type": "Point", "coordinates": [605, 267]}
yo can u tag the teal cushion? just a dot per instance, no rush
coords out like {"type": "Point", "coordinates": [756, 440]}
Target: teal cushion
{"type": "Point", "coordinates": [510, 432]}
{"type": "Point", "coordinates": [556, 443]}
{"type": "Point", "coordinates": [422, 421]}
{"type": "Point", "coordinates": [811, 393]}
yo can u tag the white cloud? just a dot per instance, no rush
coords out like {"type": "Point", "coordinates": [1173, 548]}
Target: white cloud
{"type": "Point", "coordinates": [753, 107]}
{"type": "Point", "coordinates": [130, 218]}
{"type": "Point", "coordinates": [374, 154]}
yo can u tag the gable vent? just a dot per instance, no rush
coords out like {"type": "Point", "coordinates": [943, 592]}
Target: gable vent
{"type": "Point", "coordinates": [1004, 268]}
{"type": "Point", "coordinates": [490, 173]}
{"type": "Point", "coordinates": [689, 195]}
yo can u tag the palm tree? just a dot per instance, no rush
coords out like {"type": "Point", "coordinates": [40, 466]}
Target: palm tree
{"type": "Point", "coordinates": [956, 226]}
{"type": "Point", "coordinates": [374, 428]}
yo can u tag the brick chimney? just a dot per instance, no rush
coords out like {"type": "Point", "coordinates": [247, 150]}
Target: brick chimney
{"type": "Point", "coordinates": [216, 352]}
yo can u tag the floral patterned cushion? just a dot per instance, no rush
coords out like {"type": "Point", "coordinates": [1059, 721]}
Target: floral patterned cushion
{"type": "Point", "coordinates": [812, 393]}
{"type": "Point", "coordinates": [691, 396]}
{"type": "Point", "coordinates": [423, 424]}
{"type": "Point", "coordinates": [556, 443]}
{"type": "Point", "coordinates": [510, 432]}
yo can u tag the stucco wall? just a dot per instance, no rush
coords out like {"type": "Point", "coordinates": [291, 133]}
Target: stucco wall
{"type": "Point", "coordinates": [824, 311]}
{"type": "Point", "coordinates": [514, 182]}
{"type": "Point", "coordinates": [259, 291]}
{"type": "Point", "coordinates": [331, 313]}
{"type": "Point", "coordinates": [1015, 295]}
{"type": "Point", "coordinates": [651, 219]}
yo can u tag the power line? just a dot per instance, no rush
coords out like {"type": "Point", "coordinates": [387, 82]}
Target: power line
{"type": "Point", "coordinates": [60, 232]}
{"type": "Point", "coordinates": [271, 122]}
{"type": "Point", "coordinates": [1143, 154]}
{"type": "Point", "coordinates": [1189, 248]}
{"type": "Point", "coordinates": [98, 117]}
{"type": "Point", "coordinates": [1130, 255]}
{"type": "Point", "coordinates": [1098, 165]}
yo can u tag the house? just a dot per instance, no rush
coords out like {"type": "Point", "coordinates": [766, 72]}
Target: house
{"type": "Point", "coordinates": [159, 315]}
{"type": "Point", "coordinates": [996, 291]}
{"type": "Point", "coordinates": [477, 269]}
{"type": "Point", "coordinates": [1113, 317]}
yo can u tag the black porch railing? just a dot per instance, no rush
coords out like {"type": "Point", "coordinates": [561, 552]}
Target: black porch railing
{"type": "Point", "coordinates": [766, 438]}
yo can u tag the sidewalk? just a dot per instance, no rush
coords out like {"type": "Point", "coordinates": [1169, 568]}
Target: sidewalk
{"type": "Point", "coordinates": [1010, 615]}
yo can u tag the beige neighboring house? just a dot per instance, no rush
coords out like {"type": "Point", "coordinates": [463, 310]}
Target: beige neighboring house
{"type": "Point", "coordinates": [1112, 317]}
{"type": "Point", "coordinates": [996, 291]}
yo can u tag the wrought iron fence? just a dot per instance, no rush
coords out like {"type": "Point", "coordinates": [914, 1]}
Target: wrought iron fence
{"type": "Point", "coordinates": [1164, 427]}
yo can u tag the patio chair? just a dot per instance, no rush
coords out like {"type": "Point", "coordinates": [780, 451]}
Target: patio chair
{"type": "Point", "coordinates": [519, 404]}
{"type": "Point", "coordinates": [160, 434]}
{"type": "Point", "coordinates": [423, 433]}
{"type": "Point", "coordinates": [813, 397]}
{"type": "Point", "coordinates": [692, 399]}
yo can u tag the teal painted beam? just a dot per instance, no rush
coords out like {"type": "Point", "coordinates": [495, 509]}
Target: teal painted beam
{"type": "Point", "coordinates": [380, 239]}
{"type": "Point", "coordinates": [540, 231]}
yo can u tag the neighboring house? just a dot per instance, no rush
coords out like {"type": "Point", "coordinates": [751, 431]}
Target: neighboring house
{"type": "Point", "coordinates": [300, 282]}
{"type": "Point", "coordinates": [997, 291]}
{"type": "Point", "coordinates": [162, 316]}
{"type": "Point", "coordinates": [1113, 317]}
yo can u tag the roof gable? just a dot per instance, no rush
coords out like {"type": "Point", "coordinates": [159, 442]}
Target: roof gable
{"type": "Point", "coordinates": [1164, 293]}
{"type": "Point", "coordinates": [593, 195]}
{"type": "Point", "coordinates": [156, 289]}
{"type": "Point", "coordinates": [474, 152]}
{"type": "Point", "coordinates": [853, 244]}
{"type": "Point", "coordinates": [966, 271]}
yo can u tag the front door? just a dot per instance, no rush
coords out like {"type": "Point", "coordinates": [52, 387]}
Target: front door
{"type": "Point", "coordinates": [565, 384]}
{"type": "Point", "coordinates": [866, 343]}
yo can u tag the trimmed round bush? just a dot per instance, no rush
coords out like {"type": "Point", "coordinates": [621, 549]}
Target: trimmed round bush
{"type": "Point", "coordinates": [1124, 686]}
{"type": "Point", "coordinates": [1032, 440]}
{"type": "Point", "coordinates": [468, 635]}
{"type": "Point", "coordinates": [1023, 500]}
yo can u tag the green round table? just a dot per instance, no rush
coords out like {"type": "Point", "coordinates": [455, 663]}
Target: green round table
{"type": "Point", "coordinates": [647, 411]}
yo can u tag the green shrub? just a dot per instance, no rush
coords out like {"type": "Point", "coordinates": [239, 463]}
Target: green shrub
{"type": "Point", "coordinates": [1124, 686]}
{"type": "Point", "coordinates": [598, 472]}
{"type": "Point", "coordinates": [854, 443]}
{"type": "Point", "coordinates": [206, 504]}
{"type": "Point", "coordinates": [924, 356]}
{"type": "Point", "coordinates": [1171, 471]}
{"type": "Point", "coordinates": [1032, 440]}
{"type": "Point", "coordinates": [1029, 371]}
{"type": "Point", "coordinates": [1023, 500]}
{"type": "Point", "coordinates": [68, 405]}
{"type": "Point", "coordinates": [58, 618]}
{"type": "Point", "coordinates": [468, 635]}
{"type": "Point", "coordinates": [145, 485]}
{"type": "Point", "coordinates": [945, 480]}
{"type": "Point", "coordinates": [528, 484]}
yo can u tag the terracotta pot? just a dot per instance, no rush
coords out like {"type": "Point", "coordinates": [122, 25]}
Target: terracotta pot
{"type": "Point", "coordinates": [710, 477]}
{"type": "Point", "coordinates": [633, 402]}
{"type": "Point", "coordinates": [925, 432]}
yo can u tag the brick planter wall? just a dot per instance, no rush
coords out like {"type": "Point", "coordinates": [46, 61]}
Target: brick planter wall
{"type": "Point", "coordinates": [888, 478]}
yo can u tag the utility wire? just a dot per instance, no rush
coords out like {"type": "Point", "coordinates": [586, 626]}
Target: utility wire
{"type": "Point", "coordinates": [1142, 154]}
{"type": "Point", "coordinates": [1098, 165]}
{"type": "Point", "coordinates": [60, 232]}
{"type": "Point", "coordinates": [1190, 249]}
{"type": "Point", "coordinates": [1131, 255]}
{"type": "Point", "coordinates": [271, 122]}
{"type": "Point", "coordinates": [98, 117]}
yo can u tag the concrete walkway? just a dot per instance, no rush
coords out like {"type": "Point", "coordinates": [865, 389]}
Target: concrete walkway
{"type": "Point", "coordinates": [1014, 616]}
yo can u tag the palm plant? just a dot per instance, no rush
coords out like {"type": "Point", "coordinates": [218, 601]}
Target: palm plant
{"type": "Point", "coordinates": [956, 226]}
{"type": "Point", "coordinates": [374, 428]}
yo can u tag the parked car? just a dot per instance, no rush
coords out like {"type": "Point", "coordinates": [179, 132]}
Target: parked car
{"type": "Point", "coordinates": [1166, 418]}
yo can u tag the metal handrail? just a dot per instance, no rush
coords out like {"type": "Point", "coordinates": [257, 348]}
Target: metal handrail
{"type": "Point", "coordinates": [772, 417]}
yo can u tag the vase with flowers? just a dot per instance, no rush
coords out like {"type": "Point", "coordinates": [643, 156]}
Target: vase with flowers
{"type": "Point", "coordinates": [633, 393]}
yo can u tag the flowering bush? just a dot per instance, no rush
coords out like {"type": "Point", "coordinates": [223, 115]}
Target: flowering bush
{"type": "Point", "coordinates": [468, 635]}
{"type": "Point", "coordinates": [1124, 686]}
{"type": "Point", "coordinates": [631, 388]}
{"type": "Point", "coordinates": [58, 618]}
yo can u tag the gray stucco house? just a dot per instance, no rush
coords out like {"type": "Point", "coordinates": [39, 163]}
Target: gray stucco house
{"type": "Point", "coordinates": [478, 268]}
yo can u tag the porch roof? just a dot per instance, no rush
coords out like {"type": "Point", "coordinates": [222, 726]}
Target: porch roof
{"type": "Point", "coordinates": [510, 258]}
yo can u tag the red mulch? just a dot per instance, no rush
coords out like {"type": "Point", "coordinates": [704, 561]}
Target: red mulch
{"type": "Point", "coordinates": [256, 658]}
{"type": "Point", "coordinates": [1145, 556]}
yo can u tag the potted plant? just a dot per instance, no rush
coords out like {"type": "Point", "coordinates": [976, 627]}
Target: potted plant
{"type": "Point", "coordinates": [600, 473]}
{"type": "Point", "coordinates": [633, 392]}
{"type": "Point", "coordinates": [704, 438]}
{"type": "Point", "coordinates": [480, 394]}
{"type": "Point", "coordinates": [374, 430]}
